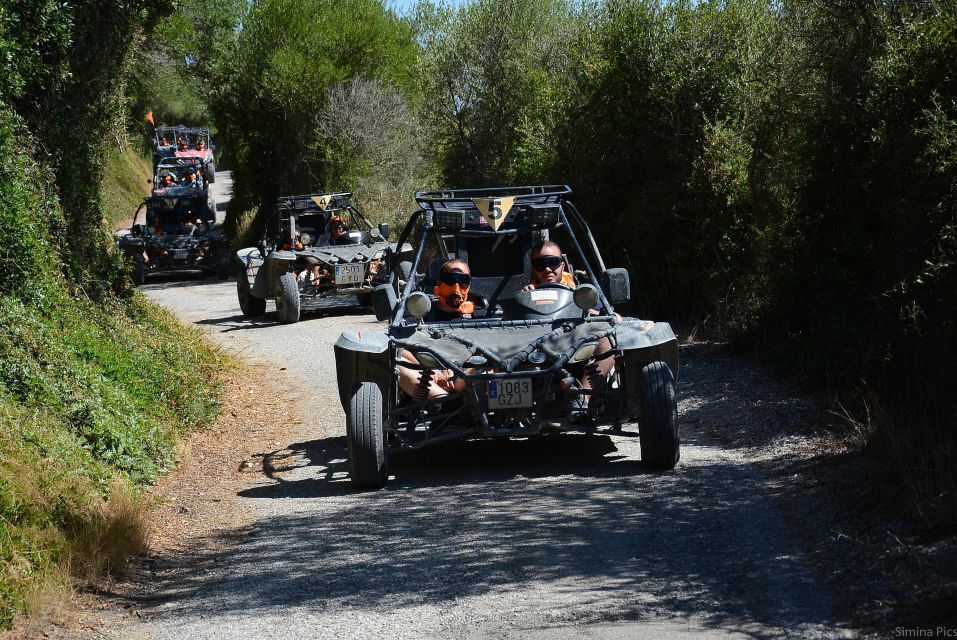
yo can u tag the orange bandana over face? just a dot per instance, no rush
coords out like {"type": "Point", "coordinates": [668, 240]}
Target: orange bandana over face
{"type": "Point", "coordinates": [454, 297]}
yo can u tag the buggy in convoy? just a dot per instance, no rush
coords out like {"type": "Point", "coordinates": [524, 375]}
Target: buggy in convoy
{"type": "Point", "coordinates": [513, 368]}
{"type": "Point", "coordinates": [178, 229]}
{"type": "Point", "coordinates": [316, 246]}
{"type": "Point", "coordinates": [184, 142]}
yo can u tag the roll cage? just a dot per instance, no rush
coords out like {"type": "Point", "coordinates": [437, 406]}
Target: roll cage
{"type": "Point", "coordinates": [313, 211]}
{"type": "Point", "coordinates": [529, 214]}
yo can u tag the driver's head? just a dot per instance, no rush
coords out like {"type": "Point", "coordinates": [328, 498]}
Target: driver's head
{"type": "Point", "coordinates": [547, 263]}
{"type": "Point", "coordinates": [181, 143]}
{"type": "Point", "coordinates": [337, 227]}
{"type": "Point", "coordinates": [190, 174]}
{"type": "Point", "coordinates": [167, 179]}
{"type": "Point", "coordinates": [164, 142]}
{"type": "Point", "coordinates": [201, 144]}
{"type": "Point", "coordinates": [452, 289]}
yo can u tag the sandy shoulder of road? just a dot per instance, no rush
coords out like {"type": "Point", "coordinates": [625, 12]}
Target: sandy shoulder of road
{"type": "Point", "coordinates": [196, 505]}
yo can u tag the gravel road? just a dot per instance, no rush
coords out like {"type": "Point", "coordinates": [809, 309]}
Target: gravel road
{"type": "Point", "coordinates": [561, 537]}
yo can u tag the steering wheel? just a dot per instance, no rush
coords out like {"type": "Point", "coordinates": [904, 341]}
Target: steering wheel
{"type": "Point", "coordinates": [480, 301]}
{"type": "Point", "coordinates": [553, 285]}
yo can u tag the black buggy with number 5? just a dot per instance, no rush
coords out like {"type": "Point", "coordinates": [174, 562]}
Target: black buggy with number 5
{"type": "Point", "coordinates": [518, 360]}
{"type": "Point", "coordinates": [315, 246]}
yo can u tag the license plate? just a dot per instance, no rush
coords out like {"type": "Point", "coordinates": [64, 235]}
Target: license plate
{"type": "Point", "coordinates": [180, 254]}
{"type": "Point", "coordinates": [510, 394]}
{"type": "Point", "coordinates": [350, 273]}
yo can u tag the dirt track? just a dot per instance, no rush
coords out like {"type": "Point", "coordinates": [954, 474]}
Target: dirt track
{"type": "Point", "coordinates": [552, 538]}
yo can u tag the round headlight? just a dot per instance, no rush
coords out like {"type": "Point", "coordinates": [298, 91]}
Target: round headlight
{"type": "Point", "coordinates": [583, 353]}
{"type": "Point", "coordinates": [427, 360]}
{"type": "Point", "coordinates": [585, 296]}
{"type": "Point", "coordinates": [375, 233]}
{"type": "Point", "coordinates": [418, 305]}
{"type": "Point", "coordinates": [305, 238]}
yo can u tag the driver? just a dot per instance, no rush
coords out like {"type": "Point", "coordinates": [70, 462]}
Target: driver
{"type": "Point", "coordinates": [338, 232]}
{"type": "Point", "coordinates": [549, 266]}
{"type": "Point", "coordinates": [452, 303]}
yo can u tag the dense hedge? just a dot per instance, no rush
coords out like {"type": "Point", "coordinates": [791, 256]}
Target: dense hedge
{"type": "Point", "coordinates": [95, 383]}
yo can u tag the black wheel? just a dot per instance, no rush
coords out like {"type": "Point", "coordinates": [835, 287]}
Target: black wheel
{"type": "Point", "coordinates": [658, 423]}
{"type": "Point", "coordinates": [368, 456]}
{"type": "Point", "coordinates": [251, 305]}
{"type": "Point", "coordinates": [210, 173]}
{"type": "Point", "coordinates": [364, 298]}
{"type": "Point", "coordinates": [287, 302]}
{"type": "Point", "coordinates": [139, 270]}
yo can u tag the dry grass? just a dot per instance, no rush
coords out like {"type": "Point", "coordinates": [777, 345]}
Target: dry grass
{"type": "Point", "coordinates": [101, 542]}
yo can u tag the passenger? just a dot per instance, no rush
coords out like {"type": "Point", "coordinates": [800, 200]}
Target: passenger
{"type": "Point", "coordinates": [199, 177]}
{"type": "Point", "coordinates": [164, 142]}
{"type": "Point", "coordinates": [287, 246]}
{"type": "Point", "coordinates": [451, 292]}
{"type": "Point", "coordinates": [201, 147]}
{"type": "Point", "coordinates": [190, 181]}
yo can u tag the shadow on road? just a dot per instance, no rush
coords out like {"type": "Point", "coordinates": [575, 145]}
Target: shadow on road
{"type": "Point", "coordinates": [570, 524]}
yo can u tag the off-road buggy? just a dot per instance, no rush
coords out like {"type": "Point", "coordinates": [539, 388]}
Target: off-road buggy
{"type": "Point", "coordinates": [300, 260]}
{"type": "Point", "coordinates": [519, 351]}
{"type": "Point", "coordinates": [166, 145]}
{"type": "Point", "coordinates": [177, 230]}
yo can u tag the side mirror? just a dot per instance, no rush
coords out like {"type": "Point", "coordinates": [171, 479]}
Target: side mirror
{"type": "Point", "coordinates": [383, 301]}
{"type": "Point", "coordinates": [384, 230]}
{"type": "Point", "coordinates": [617, 285]}
{"type": "Point", "coordinates": [136, 230]}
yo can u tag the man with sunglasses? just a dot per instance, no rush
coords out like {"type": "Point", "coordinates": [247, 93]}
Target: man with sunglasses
{"type": "Point", "coordinates": [452, 303]}
{"type": "Point", "coordinates": [338, 232]}
{"type": "Point", "coordinates": [549, 266]}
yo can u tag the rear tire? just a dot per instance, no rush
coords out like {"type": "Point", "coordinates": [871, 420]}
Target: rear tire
{"type": "Point", "coordinates": [658, 423]}
{"type": "Point", "coordinates": [250, 305]}
{"type": "Point", "coordinates": [365, 435]}
{"type": "Point", "coordinates": [288, 301]}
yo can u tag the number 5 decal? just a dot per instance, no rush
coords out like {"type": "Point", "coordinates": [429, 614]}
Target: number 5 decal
{"type": "Point", "coordinates": [495, 210]}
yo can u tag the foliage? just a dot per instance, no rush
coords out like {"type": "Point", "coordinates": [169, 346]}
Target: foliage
{"type": "Point", "coordinates": [95, 384]}
{"type": "Point", "coordinates": [368, 139]}
{"type": "Point", "coordinates": [495, 86]}
{"type": "Point", "coordinates": [275, 90]}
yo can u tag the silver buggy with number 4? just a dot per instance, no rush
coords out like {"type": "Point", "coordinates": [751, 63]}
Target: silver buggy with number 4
{"type": "Point", "coordinates": [526, 358]}
{"type": "Point", "coordinates": [316, 246]}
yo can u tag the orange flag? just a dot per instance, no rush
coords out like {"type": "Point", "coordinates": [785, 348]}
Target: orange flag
{"type": "Point", "coordinates": [149, 117]}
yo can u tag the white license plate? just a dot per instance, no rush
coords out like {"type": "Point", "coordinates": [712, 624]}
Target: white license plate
{"type": "Point", "coordinates": [510, 394]}
{"type": "Point", "coordinates": [350, 273]}
{"type": "Point", "coordinates": [180, 254]}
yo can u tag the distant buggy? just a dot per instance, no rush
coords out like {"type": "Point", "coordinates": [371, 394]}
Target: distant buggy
{"type": "Point", "coordinates": [516, 356]}
{"type": "Point", "coordinates": [181, 141]}
{"type": "Point", "coordinates": [316, 246]}
{"type": "Point", "coordinates": [174, 229]}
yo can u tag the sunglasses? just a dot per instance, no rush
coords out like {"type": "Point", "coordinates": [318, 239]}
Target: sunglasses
{"type": "Point", "coordinates": [550, 262]}
{"type": "Point", "coordinates": [456, 277]}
